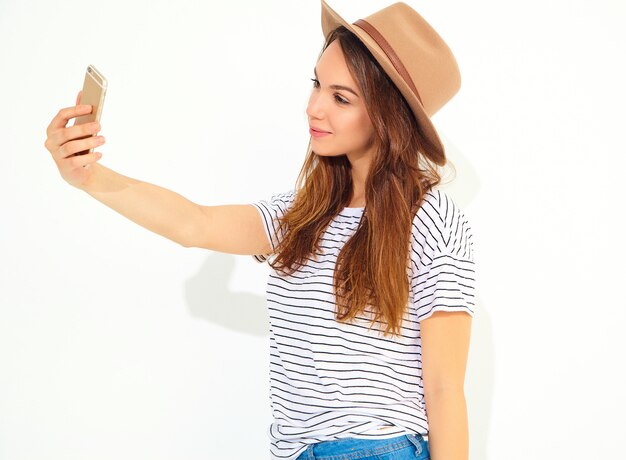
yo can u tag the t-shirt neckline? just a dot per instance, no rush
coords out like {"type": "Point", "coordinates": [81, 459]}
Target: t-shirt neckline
{"type": "Point", "coordinates": [352, 211]}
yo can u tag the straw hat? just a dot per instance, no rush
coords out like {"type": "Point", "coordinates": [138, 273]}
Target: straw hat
{"type": "Point", "coordinates": [414, 56]}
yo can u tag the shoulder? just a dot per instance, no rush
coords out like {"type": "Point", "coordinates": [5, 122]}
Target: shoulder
{"type": "Point", "coordinates": [440, 226]}
{"type": "Point", "coordinates": [284, 197]}
{"type": "Point", "coordinates": [271, 210]}
{"type": "Point", "coordinates": [277, 203]}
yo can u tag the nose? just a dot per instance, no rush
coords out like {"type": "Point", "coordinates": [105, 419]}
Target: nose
{"type": "Point", "coordinates": [315, 109]}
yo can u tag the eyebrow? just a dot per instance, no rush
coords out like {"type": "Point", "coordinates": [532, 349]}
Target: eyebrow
{"type": "Point", "coordinates": [340, 87]}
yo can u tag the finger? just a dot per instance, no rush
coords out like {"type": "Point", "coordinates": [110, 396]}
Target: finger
{"type": "Point", "coordinates": [65, 115]}
{"type": "Point", "coordinates": [80, 93]}
{"type": "Point", "coordinates": [61, 136]}
{"type": "Point", "coordinates": [71, 148]}
{"type": "Point", "coordinates": [82, 161]}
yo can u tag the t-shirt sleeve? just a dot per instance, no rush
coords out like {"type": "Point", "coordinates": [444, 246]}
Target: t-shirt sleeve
{"type": "Point", "coordinates": [442, 258]}
{"type": "Point", "coordinates": [270, 210]}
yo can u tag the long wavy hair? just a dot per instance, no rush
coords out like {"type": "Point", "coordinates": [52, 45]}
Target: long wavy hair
{"type": "Point", "coordinates": [371, 271]}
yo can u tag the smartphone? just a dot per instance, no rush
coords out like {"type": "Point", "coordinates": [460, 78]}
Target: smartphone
{"type": "Point", "coordinates": [94, 90]}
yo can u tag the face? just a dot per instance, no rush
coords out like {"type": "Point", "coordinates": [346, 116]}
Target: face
{"type": "Point", "coordinates": [336, 106]}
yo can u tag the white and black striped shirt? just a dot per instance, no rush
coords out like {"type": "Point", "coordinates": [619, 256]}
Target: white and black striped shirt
{"type": "Point", "coordinates": [331, 380]}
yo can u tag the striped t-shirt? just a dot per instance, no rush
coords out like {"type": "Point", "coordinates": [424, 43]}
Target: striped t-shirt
{"type": "Point", "coordinates": [332, 380]}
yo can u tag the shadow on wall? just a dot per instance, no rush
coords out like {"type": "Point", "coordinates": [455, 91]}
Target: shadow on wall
{"type": "Point", "coordinates": [462, 181]}
{"type": "Point", "coordinates": [208, 298]}
{"type": "Point", "coordinates": [480, 381]}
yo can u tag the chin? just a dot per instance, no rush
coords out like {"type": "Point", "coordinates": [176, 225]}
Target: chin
{"type": "Point", "coordinates": [323, 153]}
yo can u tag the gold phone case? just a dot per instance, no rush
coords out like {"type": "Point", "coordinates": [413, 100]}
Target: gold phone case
{"type": "Point", "coordinates": [94, 89]}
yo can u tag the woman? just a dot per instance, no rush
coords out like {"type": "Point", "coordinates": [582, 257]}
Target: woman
{"type": "Point", "coordinates": [356, 370]}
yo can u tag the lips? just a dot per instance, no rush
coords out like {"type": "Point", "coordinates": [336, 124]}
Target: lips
{"type": "Point", "coordinates": [313, 128]}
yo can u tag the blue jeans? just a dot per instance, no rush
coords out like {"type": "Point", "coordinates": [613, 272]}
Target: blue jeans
{"type": "Point", "coordinates": [405, 447]}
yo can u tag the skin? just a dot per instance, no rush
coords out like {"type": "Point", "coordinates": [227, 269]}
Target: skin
{"type": "Point", "coordinates": [342, 113]}
{"type": "Point", "coordinates": [445, 346]}
{"type": "Point", "coordinates": [63, 142]}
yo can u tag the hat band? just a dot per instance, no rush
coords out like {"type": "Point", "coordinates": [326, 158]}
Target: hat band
{"type": "Point", "coordinates": [391, 54]}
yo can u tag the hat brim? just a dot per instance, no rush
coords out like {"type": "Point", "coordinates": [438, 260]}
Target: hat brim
{"type": "Point", "coordinates": [434, 149]}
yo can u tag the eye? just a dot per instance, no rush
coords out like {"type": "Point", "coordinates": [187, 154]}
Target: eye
{"type": "Point", "coordinates": [339, 99]}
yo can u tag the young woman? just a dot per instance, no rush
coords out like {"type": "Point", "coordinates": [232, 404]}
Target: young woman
{"type": "Point", "coordinates": [371, 292]}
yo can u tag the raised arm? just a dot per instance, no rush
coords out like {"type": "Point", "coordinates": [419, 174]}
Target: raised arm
{"type": "Point", "coordinates": [235, 229]}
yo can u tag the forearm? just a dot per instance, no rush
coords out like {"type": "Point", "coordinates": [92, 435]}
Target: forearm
{"type": "Point", "coordinates": [159, 210]}
{"type": "Point", "coordinates": [448, 437]}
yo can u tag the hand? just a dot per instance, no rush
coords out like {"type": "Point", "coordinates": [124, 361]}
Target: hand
{"type": "Point", "coordinates": [64, 142]}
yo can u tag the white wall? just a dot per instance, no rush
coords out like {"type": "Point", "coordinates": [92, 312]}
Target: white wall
{"type": "Point", "coordinates": [117, 343]}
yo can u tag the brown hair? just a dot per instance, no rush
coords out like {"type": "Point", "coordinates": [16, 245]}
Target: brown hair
{"type": "Point", "coordinates": [372, 266]}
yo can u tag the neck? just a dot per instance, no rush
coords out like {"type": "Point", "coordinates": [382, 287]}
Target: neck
{"type": "Point", "coordinates": [360, 170]}
{"type": "Point", "coordinates": [360, 166]}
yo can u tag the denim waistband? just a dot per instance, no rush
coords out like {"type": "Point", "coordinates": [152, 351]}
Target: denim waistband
{"type": "Point", "coordinates": [354, 448]}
